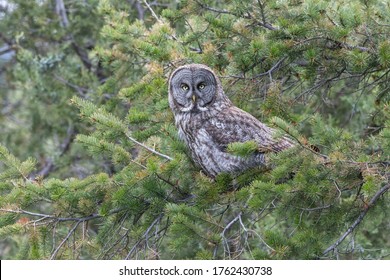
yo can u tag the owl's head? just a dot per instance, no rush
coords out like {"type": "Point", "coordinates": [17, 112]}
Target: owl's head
{"type": "Point", "coordinates": [194, 87]}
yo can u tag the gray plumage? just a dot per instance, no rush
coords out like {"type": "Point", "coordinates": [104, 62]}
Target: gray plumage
{"type": "Point", "coordinates": [208, 121]}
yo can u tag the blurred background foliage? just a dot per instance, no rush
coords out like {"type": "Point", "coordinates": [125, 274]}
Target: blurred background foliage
{"type": "Point", "coordinates": [91, 164]}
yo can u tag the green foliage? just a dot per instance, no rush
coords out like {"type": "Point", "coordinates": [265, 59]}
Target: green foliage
{"type": "Point", "coordinates": [242, 149]}
{"type": "Point", "coordinates": [91, 166]}
{"type": "Point", "coordinates": [14, 167]}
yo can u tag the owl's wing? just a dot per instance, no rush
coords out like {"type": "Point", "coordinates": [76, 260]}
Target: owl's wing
{"type": "Point", "coordinates": [235, 125]}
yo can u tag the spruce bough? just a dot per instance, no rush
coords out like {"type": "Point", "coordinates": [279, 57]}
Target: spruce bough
{"type": "Point", "coordinates": [91, 166]}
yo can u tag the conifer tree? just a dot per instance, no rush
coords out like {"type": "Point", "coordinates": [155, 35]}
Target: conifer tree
{"type": "Point", "coordinates": [91, 166]}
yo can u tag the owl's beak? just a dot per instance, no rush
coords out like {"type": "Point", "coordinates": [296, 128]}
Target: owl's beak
{"type": "Point", "coordinates": [194, 98]}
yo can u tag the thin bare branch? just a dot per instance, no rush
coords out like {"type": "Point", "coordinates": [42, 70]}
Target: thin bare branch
{"type": "Point", "coordinates": [145, 236]}
{"type": "Point", "coordinates": [61, 12]}
{"type": "Point", "coordinates": [64, 240]}
{"type": "Point", "coordinates": [148, 148]}
{"type": "Point", "coordinates": [267, 73]}
{"type": "Point", "coordinates": [246, 16]}
{"type": "Point", "coordinates": [272, 69]}
{"type": "Point", "coordinates": [6, 50]}
{"type": "Point", "coordinates": [151, 10]}
{"type": "Point", "coordinates": [358, 220]}
{"type": "Point", "coordinates": [316, 208]}
{"type": "Point", "coordinates": [63, 148]}
{"type": "Point", "coordinates": [54, 218]}
{"type": "Point", "coordinates": [261, 6]}
{"type": "Point", "coordinates": [197, 50]}
{"type": "Point", "coordinates": [77, 88]}
{"type": "Point", "coordinates": [228, 226]}
{"type": "Point", "coordinates": [81, 52]}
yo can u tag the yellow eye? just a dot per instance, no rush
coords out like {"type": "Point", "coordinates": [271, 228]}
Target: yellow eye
{"type": "Point", "coordinates": [201, 86]}
{"type": "Point", "coordinates": [185, 87]}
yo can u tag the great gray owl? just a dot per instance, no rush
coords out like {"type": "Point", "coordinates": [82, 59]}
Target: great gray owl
{"type": "Point", "coordinates": [208, 121]}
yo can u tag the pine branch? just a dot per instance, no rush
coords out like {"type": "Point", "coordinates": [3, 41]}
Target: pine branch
{"type": "Point", "coordinates": [151, 10]}
{"type": "Point", "coordinates": [55, 219]}
{"type": "Point", "coordinates": [161, 22]}
{"type": "Point", "coordinates": [247, 16]}
{"type": "Point", "coordinates": [358, 220]}
{"type": "Point", "coordinates": [280, 124]}
{"type": "Point", "coordinates": [334, 44]}
{"type": "Point", "coordinates": [272, 69]}
{"type": "Point", "coordinates": [16, 168]}
{"type": "Point", "coordinates": [350, 47]}
{"type": "Point", "coordinates": [276, 66]}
